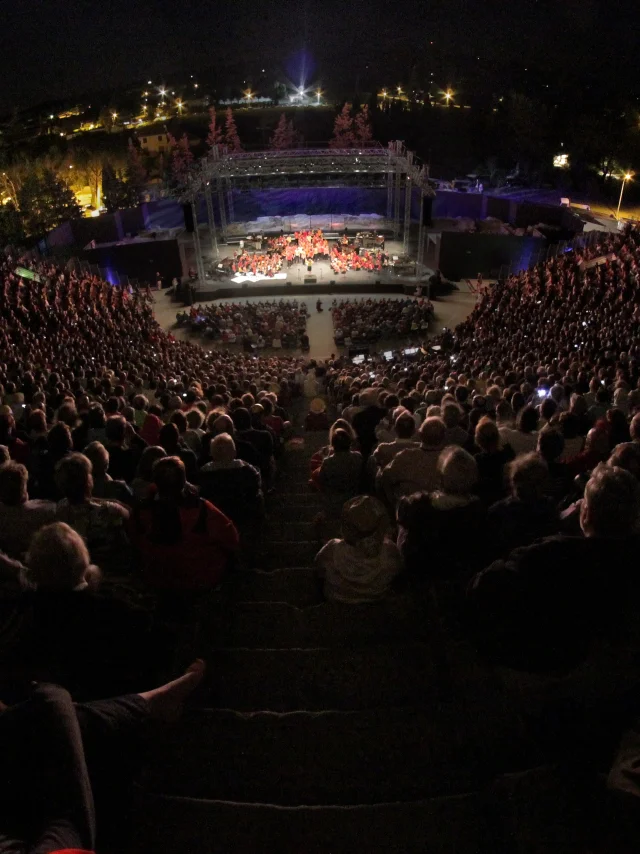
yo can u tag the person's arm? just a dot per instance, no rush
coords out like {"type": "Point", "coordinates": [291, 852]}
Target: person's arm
{"type": "Point", "coordinates": [221, 529]}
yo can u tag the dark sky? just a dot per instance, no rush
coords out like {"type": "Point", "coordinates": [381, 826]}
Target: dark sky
{"type": "Point", "coordinates": [59, 48]}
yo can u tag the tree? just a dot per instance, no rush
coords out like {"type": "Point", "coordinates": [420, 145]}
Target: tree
{"type": "Point", "coordinates": [89, 169]}
{"type": "Point", "coordinates": [231, 138]}
{"type": "Point", "coordinates": [136, 175]}
{"type": "Point", "coordinates": [362, 128]}
{"type": "Point", "coordinates": [105, 118]}
{"type": "Point", "coordinates": [11, 229]}
{"type": "Point", "coordinates": [283, 136]}
{"type": "Point", "coordinates": [181, 163]}
{"type": "Point", "coordinates": [115, 190]}
{"type": "Point", "coordinates": [46, 201]}
{"type": "Point", "coordinates": [215, 132]}
{"type": "Point", "coordinates": [343, 136]}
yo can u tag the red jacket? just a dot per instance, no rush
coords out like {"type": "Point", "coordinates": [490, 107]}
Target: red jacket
{"type": "Point", "coordinates": [193, 558]}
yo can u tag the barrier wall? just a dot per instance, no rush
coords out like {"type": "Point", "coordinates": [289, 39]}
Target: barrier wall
{"type": "Point", "coordinates": [463, 256]}
{"type": "Point", "coordinates": [138, 260]}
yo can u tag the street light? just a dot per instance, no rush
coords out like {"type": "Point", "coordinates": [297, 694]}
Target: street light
{"type": "Point", "coordinates": [399, 90]}
{"type": "Point", "coordinates": [626, 177]}
{"type": "Point", "coordinates": [448, 95]}
{"type": "Point", "coordinates": [114, 116]}
{"type": "Point", "coordinates": [319, 93]}
{"type": "Point", "coordinates": [180, 106]}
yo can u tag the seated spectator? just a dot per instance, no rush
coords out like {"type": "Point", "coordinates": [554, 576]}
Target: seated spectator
{"type": "Point", "coordinates": [491, 458]}
{"type": "Point", "coordinates": [124, 448]}
{"type": "Point", "coordinates": [20, 517]}
{"type": "Point", "coordinates": [596, 450]}
{"type": "Point", "coordinates": [72, 634]}
{"type": "Point", "coordinates": [634, 429]}
{"type": "Point", "coordinates": [569, 426]}
{"type": "Point", "coordinates": [339, 475]}
{"type": "Point", "coordinates": [261, 440]}
{"type": "Point", "coordinates": [416, 469]}
{"type": "Point", "coordinates": [104, 486]}
{"type": "Point", "coordinates": [617, 427]}
{"type": "Point", "coordinates": [455, 434]}
{"type": "Point", "coordinates": [551, 449]}
{"type": "Point", "coordinates": [440, 531]}
{"type": "Point", "coordinates": [18, 449]}
{"type": "Point", "coordinates": [527, 514]}
{"type": "Point", "coordinates": [44, 463]}
{"type": "Point", "coordinates": [232, 485]}
{"type": "Point", "coordinates": [524, 438]}
{"type": "Point", "coordinates": [142, 485]}
{"type": "Point", "coordinates": [185, 542]}
{"type": "Point", "coordinates": [316, 418]}
{"type": "Point", "coordinates": [192, 437]}
{"type": "Point", "coordinates": [404, 427]}
{"type": "Point", "coordinates": [547, 604]}
{"type": "Point", "coordinates": [218, 424]}
{"type": "Point", "coordinates": [101, 524]}
{"type": "Point", "coordinates": [360, 567]}
{"type": "Point", "coordinates": [366, 421]}
{"type": "Point", "coordinates": [170, 440]}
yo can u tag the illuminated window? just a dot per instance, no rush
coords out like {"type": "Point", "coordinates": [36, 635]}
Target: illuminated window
{"type": "Point", "coordinates": [561, 161]}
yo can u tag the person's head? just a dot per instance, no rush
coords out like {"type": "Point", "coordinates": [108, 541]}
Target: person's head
{"type": "Point", "coordinates": [364, 524]}
{"type": "Point", "coordinates": [626, 456]}
{"type": "Point", "coordinates": [5, 455]}
{"type": "Point", "coordinates": [404, 425]}
{"type": "Point", "coordinates": [13, 484]}
{"type": "Point", "coordinates": [220, 424]}
{"type": "Point", "coordinates": [99, 457]}
{"type": "Point", "coordinates": [150, 455]}
{"type": "Point", "coordinates": [241, 418]}
{"type": "Point", "coordinates": [342, 424]}
{"type": "Point", "coordinates": [527, 420]}
{"type": "Point", "coordinates": [550, 444]}
{"type": "Point", "coordinates": [58, 559]}
{"type": "Point", "coordinates": [569, 424]}
{"type": "Point", "coordinates": [611, 504]}
{"type": "Point", "coordinates": [528, 476]}
{"type": "Point", "coordinates": [37, 421]}
{"type": "Point", "coordinates": [340, 441]}
{"type": "Point", "coordinates": [169, 477]}
{"type": "Point", "coordinates": [74, 478]}
{"type": "Point", "coordinates": [548, 409]}
{"type": "Point", "coordinates": [451, 414]}
{"type": "Point", "coordinates": [195, 419]}
{"type": "Point", "coordinates": [458, 471]}
{"type": "Point", "coordinates": [222, 449]}
{"type": "Point", "coordinates": [59, 439]}
{"type": "Point", "coordinates": [169, 438]}
{"type": "Point", "coordinates": [67, 413]}
{"type": "Point", "coordinates": [116, 429]}
{"type": "Point", "coordinates": [504, 412]}
{"type": "Point", "coordinates": [432, 433]}
{"type": "Point", "coordinates": [487, 436]}
{"type": "Point", "coordinates": [634, 428]}
{"type": "Point", "coordinates": [180, 420]}
{"type": "Point", "coordinates": [369, 397]}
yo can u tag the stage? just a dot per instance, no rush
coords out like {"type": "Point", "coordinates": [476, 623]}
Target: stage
{"type": "Point", "coordinates": [398, 277]}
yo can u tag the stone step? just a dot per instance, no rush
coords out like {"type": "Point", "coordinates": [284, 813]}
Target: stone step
{"type": "Point", "coordinates": [286, 680]}
{"type": "Point", "coordinates": [335, 757]}
{"type": "Point", "coordinates": [173, 825]}
{"type": "Point", "coordinates": [277, 625]}
{"type": "Point", "coordinates": [299, 586]}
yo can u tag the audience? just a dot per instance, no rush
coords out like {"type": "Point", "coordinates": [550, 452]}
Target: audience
{"type": "Point", "coordinates": [361, 566]}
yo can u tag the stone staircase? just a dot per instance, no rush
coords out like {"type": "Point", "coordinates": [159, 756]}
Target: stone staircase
{"type": "Point", "coordinates": [334, 728]}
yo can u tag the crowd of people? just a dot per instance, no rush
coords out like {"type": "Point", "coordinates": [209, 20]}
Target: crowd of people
{"type": "Point", "coordinates": [369, 319]}
{"type": "Point", "coordinates": [268, 323]}
{"type": "Point", "coordinates": [499, 470]}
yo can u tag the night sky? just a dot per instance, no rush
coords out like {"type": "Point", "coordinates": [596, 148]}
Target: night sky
{"type": "Point", "coordinates": [52, 49]}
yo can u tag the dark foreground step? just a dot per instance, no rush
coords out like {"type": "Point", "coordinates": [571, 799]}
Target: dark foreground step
{"type": "Point", "coordinates": [297, 586]}
{"type": "Point", "coordinates": [336, 757]}
{"type": "Point", "coordinates": [186, 825]}
{"type": "Point", "coordinates": [276, 625]}
{"type": "Point", "coordinates": [286, 680]}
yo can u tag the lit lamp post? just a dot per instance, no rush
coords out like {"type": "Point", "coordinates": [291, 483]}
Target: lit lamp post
{"type": "Point", "coordinates": [399, 90]}
{"type": "Point", "coordinates": [626, 177]}
{"type": "Point", "coordinates": [319, 93]}
{"type": "Point", "coordinates": [180, 106]}
{"type": "Point", "coordinates": [448, 95]}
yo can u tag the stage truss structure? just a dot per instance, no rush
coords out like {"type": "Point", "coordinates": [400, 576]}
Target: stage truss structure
{"type": "Point", "coordinates": [221, 172]}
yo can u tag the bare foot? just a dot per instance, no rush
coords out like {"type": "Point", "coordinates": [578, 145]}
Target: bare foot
{"type": "Point", "coordinates": [166, 703]}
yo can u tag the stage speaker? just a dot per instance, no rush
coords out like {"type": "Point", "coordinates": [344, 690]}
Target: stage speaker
{"type": "Point", "coordinates": [332, 282]}
{"type": "Point", "coordinates": [188, 218]}
{"type": "Point", "coordinates": [310, 280]}
{"type": "Point", "coordinates": [427, 210]}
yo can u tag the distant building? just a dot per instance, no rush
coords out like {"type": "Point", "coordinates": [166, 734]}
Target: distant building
{"type": "Point", "coordinates": [155, 143]}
